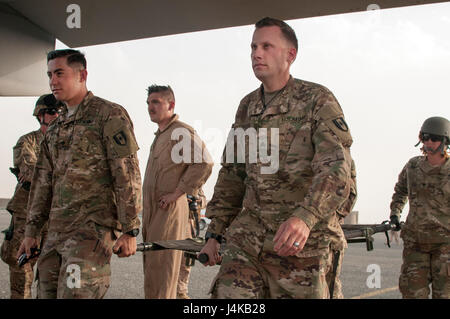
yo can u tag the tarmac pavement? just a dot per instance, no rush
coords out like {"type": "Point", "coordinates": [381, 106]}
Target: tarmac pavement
{"type": "Point", "coordinates": [365, 274]}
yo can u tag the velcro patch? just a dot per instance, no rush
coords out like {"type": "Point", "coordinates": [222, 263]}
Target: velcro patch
{"type": "Point", "coordinates": [341, 124]}
{"type": "Point", "coordinates": [122, 140]}
{"type": "Point", "coordinates": [332, 116]}
{"type": "Point", "coordinates": [341, 130]}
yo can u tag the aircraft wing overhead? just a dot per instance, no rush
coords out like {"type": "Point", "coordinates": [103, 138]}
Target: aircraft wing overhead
{"type": "Point", "coordinates": [28, 28]}
{"type": "Point", "coordinates": [22, 55]}
{"type": "Point", "coordinates": [105, 21]}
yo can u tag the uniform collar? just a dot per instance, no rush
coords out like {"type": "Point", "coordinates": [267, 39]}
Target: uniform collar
{"type": "Point", "coordinates": [83, 105]}
{"type": "Point", "coordinates": [427, 167]}
{"type": "Point", "coordinates": [278, 106]}
{"type": "Point", "coordinates": [446, 166]}
{"type": "Point", "coordinates": [174, 118]}
{"type": "Point", "coordinates": [81, 108]}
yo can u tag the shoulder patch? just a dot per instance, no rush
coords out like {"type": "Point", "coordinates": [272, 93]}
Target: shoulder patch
{"type": "Point", "coordinates": [341, 124]}
{"type": "Point", "coordinates": [331, 115]}
{"type": "Point", "coordinates": [121, 138]}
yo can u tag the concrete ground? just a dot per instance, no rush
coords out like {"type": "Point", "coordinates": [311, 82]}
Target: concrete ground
{"type": "Point", "coordinates": [366, 274]}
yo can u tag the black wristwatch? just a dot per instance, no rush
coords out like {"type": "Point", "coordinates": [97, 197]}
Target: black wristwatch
{"type": "Point", "coordinates": [217, 237]}
{"type": "Point", "coordinates": [133, 232]}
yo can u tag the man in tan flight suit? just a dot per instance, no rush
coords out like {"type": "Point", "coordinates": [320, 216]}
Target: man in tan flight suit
{"type": "Point", "coordinates": [25, 154]}
{"type": "Point", "coordinates": [178, 165]}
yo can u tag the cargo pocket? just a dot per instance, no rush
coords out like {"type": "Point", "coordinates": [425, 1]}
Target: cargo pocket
{"type": "Point", "coordinates": [444, 262]}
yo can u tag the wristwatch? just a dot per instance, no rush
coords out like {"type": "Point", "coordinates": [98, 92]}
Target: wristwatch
{"type": "Point", "coordinates": [217, 237]}
{"type": "Point", "coordinates": [133, 232]}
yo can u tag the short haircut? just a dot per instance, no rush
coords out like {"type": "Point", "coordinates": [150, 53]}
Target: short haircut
{"type": "Point", "coordinates": [167, 90]}
{"type": "Point", "coordinates": [73, 57]}
{"type": "Point", "coordinates": [286, 30]}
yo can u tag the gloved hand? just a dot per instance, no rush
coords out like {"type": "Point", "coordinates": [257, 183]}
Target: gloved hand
{"type": "Point", "coordinates": [396, 222]}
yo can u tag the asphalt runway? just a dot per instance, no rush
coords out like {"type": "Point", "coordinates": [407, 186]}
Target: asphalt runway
{"type": "Point", "coordinates": [365, 274]}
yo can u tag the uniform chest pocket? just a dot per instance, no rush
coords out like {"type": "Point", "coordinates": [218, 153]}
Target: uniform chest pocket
{"type": "Point", "coordinates": [287, 132]}
{"type": "Point", "coordinates": [275, 130]}
{"type": "Point", "coordinates": [446, 189]}
{"type": "Point", "coordinates": [169, 167]}
{"type": "Point", "coordinates": [435, 186]}
{"type": "Point", "coordinates": [86, 140]}
{"type": "Point", "coordinates": [440, 195]}
{"type": "Point", "coordinates": [292, 130]}
{"type": "Point", "coordinates": [163, 151]}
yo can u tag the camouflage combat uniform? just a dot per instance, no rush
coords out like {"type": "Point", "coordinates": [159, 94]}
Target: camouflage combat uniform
{"type": "Point", "coordinates": [88, 186]}
{"type": "Point", "coordinates": [426, 232]}
{"type": "Point", "coordinates": [25, 154]}
{"type": "Point", "coordinates": [333, 277]}
{"type": "Point", "coordinates": [312, 183]}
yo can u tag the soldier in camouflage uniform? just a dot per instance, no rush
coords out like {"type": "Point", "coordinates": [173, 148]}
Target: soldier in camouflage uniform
{"type": "Point", "coordinates": [86, 184]}
{"type": "Point", "coordinates": [424, 181]}
{"type": "Point", "coordinates": [25, 155]}
{"type": "Point", "coordinates": [281, 226]}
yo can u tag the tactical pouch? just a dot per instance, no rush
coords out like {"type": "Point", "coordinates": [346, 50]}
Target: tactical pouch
{"type": "Point", "coordinates": [26, 186]}
{"type": "Point", "coordinates": [5, 251]}
{"type": "Point", "coordinates": [9, 232]}
{"type": "Point", "coordinates": [7, 242]}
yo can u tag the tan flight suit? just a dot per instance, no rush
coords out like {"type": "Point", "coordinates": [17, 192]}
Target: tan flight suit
{"type": "Point", "coordinates": [163, 176]}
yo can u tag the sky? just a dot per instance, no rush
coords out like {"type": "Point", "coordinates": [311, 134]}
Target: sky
{"type": "Point", "coordinates": [389, 70]}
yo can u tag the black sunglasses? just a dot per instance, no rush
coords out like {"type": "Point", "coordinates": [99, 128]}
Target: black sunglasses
{"type": "Point", "coordinates": [434, 138]}
{"type": "Point", "coordinates": [50, 111]}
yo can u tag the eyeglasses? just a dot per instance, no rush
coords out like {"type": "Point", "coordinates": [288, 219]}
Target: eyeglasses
{"type": "Point", "coordinates": [434, 138]}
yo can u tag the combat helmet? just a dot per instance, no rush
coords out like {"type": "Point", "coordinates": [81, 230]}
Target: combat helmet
{"type": "Point", "coordinates": [436, 126]}
{"type": "Point", "coordinates": [46, 101]}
